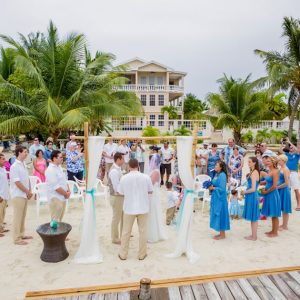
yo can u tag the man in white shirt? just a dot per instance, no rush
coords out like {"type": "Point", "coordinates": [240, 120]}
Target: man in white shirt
{"type": "Point", "coordinates": [57, 186]}
{"type": "Point", "coordinates": [35, 147]}
{"type": "Point", "coordinates": [20, 194]}
{"type": "Point", "coordinates": [109, 150]}
{"type": "Point", "coordinates": [4, 193]}
{"type": "Point", "coordinates": [201, 159]}
{"type": "Point", "coordinates": [140, 155]}
{"type": "Point", "coordinates": [116, 200]}
{"type": "Point", "coordinates": [136, 188]}
{"type": "Point", "coordinates": [124, 149]}
{"type": "Point", "coordinates": [167, 154]}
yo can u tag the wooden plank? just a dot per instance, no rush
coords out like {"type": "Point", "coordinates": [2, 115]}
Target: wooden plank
{"type": "Point", "coordinates": [134, 295]}
{"type": "Point", "coordinates": [248, 289]}
{"type": "Point", "coordinates": [211, 291]}
{"type": "Point", "coordinates": [174, 293]}
{"type": "Point", "coordinates": [186, 292]}
{"type": "Point", "coordinates": [295, 275]}
{"type": "Point", "coordinates": [223, 290]}
{"type": "Point", "coordinates": [124, 296]}
{"type": "Point", "coordinates": [261, 291]}
{"type": "Point", "coordinates": [235, 290]}
{"type": "Point", "coordinates": [158, 294]}
{"type": "Point", "coordinates": [199, 292]}
{"type": "Point", "coordinates": [271, 287]}
{"type": "Point", "coordinates": [285, 289]}
{"type": "Point", "coordinates": [291, 282]}
{"type": "Point", "coordinates": [111, 296]}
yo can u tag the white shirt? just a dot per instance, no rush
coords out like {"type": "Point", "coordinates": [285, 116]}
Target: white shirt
{"type": "Point", "coordinates": [4, 188]}
{"type": "Point", "coordinates": [200, 152]}
{"type": "Point", "coordinates": [124, 150]}
{"type": "Point", "coordinates": [18, 172]}
{"type": "Point", "coordinates": [172, 198]}
{"type": "Point", "coordinates": [55, 178]}
{"type": "Point", "coordinates": [166, 154]}
{"type": "Point", "coordinates": [33, 148]}
{"type": "Point", "coordinates": [135, 187]}
{"type": "Point", "coordinates": [115, 175]}
{"type": "Point", "coordinates": [110, 150]}
{"type": "Point", "coordinates": [140, 154]}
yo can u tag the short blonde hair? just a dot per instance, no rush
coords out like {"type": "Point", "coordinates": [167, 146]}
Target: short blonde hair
{"type": "Point", "coordinates": [274, 160]}
{"type": "Point", "coordinates": [283, 157]}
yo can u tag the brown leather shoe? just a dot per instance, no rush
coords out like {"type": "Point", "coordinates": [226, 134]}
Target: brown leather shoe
{"type": "Point", "coordinates": [142, 258]}
{"type": "Point", "coordinates": [121, 257]}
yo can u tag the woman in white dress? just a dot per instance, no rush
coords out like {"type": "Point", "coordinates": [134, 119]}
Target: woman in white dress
{"type": "Point", "coordinates": [156, 230]}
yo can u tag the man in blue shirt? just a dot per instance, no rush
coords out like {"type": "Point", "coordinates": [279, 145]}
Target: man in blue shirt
{"type": "Point", "coordinates": [293, 165]}
{"type": "Point", "coordinates": [48, 151]}
{"type": "Point", "coordinates": [228, 150]}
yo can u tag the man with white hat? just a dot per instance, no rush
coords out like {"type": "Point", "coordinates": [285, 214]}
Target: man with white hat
{"type": "Point", "coordinates": [201, 159]}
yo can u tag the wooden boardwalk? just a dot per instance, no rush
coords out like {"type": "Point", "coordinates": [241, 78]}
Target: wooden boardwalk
{"type": "Point", "coordinates": [276, 284]}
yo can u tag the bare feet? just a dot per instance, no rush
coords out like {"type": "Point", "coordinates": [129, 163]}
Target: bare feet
{"type": "Point", "coordinates": [27, 237]}
{"type": "Point", "coordinates": [216, 236]}
{"type": "Point", "coordinates": [281, 227]}
{"type": "Point", "coordinates": [1, 235]}
{"type": "Point", "coordinates": [219, 237]}
{"type": "Point", "coordinates": [272, 235]}
{"type": "Point", "coordinates": [5, 230]}
{"type": "Point", "coordinates": [21, 243]}
{"type": "Point", "coordinates": [250, 238]}
{"type": "Point", "coordinates": [117, 242]}
{"type": "Point", "coordinates": [269, 232]}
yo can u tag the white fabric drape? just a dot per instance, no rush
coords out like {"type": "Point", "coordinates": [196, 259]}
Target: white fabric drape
{"type": "Point", "coordinates": [184, 241]}
{"type": "Point", "coordinates": [89, 250]}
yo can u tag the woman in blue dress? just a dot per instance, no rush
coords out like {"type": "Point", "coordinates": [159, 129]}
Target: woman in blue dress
{"type": "Point", "coordinates": [272, 204]}
{"type": "Point", "coordinates": [219, 215]}
{"type": "Point", "coordinates": [251, 209]}
{"type": "Point", "coordinates": [284, 191]}
{"type": "Point", "coordinates": [213, 157]}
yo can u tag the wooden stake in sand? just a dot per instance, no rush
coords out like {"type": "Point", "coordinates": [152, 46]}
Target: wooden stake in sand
{"type": "Point", "coordinates": [86, 151]}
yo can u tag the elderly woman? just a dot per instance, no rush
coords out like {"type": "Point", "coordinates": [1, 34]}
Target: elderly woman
{"type": "Point", "coordinates": [236, 163]}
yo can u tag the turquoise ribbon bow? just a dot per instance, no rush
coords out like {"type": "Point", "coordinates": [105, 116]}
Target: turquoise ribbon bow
{"type": "Point", "coordinates": [92, 193]}
{"type": "Point", "coordinates": [179, 216]}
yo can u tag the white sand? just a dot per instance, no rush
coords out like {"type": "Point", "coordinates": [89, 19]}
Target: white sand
{"type": "Point", "coordinates": [22, 270]}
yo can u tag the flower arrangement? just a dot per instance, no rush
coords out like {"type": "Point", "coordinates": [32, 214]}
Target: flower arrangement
{"type": "Point", "coordinates": [206, 184]}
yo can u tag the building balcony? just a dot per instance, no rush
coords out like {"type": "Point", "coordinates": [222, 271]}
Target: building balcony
{"type": "Point", "coordinates": [137, 88]}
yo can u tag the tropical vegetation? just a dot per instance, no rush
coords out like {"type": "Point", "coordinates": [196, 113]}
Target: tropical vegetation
{"type": "Point", "coordinates": [193, 107]}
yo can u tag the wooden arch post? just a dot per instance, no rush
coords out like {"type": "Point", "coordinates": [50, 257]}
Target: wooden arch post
{"type": "Point", "coordinates": [86, 150]}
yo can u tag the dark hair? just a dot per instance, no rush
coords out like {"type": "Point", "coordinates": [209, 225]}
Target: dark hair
{"type": "Point", "coordinates": [257, 151]}
{"type": "Point", "coordinates": [214, 145]}
{"type": "Point", "coordinates": [169, 185]}
{"type": "Point", "coordinates": [55, 154]}
{"type": "Point", "coordinates": [255, 160]}
{"type": "Point", "coordinates": [133, 163]}
{"type": "Point", "coordinates": [118, 155]}
{"type": "Point", "coordinates": [235, 148]}
{"type": "Point", "coordinates": [38, 152]}
{"type": "Point", "coordinates": [49, 142]}
{"type": "Point", "coordinates": [222, 166]}
{"type": "Point", "coordinates": [234, 192]}
{"type": "Point", "coordinates": [19, 150]}
{"type": "Point", "coordinates": [1, 155]}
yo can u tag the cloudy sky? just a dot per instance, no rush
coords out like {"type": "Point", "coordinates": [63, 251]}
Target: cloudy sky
{"type": "Point", "coordinates": [203, 38]}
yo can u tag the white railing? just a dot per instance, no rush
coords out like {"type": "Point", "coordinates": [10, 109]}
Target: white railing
{"type": "Point", "coordinates": [150, 88]}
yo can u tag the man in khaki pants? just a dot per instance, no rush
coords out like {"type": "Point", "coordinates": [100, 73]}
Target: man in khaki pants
{"type": "Point", "coordinates": [57, 186]}
{"type": "Point", "coordinates": [116, 200]}
{"type": "Point", "coordinates": [4, 194]}
{"type": "Point", "coordinates": [136, 188]}
{"type": "Point", "coordinates": [20, 193]}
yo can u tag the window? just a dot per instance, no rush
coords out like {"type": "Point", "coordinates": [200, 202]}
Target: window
{"type": "Point", "coordinates": [161, 100]}
{"type": "Point", "coordinates": [151, 80]}
{"type": "Point", "coordinates": [160, 80]}
{"type": "Point", "coordinates": [152, 120]}
{"type": "Point", "coordinates": [144, 100]}
{"type": "Point", "coordinates": [143, 80]}
{"type": "Point", "coordinates": [152, 100]}
{"type": "Point", "coordinates": [161, 121]}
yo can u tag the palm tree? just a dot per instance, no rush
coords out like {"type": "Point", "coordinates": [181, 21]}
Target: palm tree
{"type": "Point", "coordinates": [262, 135]}
{"type": "Point", "coordinates": [150, 131]}
{"type": "Point", "coordinates": [193, 107]}
{"type": "Point", "coordinates": [276, 135]}
{"type": "Point", "coordinates": [248, 137]}
{"type": "Point", "coordinates": [171, 110]}
{"type": "Point", "coordinates": [55, 86]}
{"type": "Point", "coordinates": [284, 68]}
{"type": "Point", "coordinates": [238, 105]}
{"type": "Point", "coordinates": [182, 131]}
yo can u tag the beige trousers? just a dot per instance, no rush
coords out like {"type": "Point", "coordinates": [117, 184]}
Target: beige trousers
{"type": "Point", "coordinates": [3, 205]}
{"type": "Point", "coordinates": [128, 221]}
{"type": "Point", "coordinates": [20, 209]}
{"type": "Point", "coordinates": [57, 209]}
{"type": "Point", "coordinates": [170, 214]}
{"type": "Point", "coordinates": [117, 218]}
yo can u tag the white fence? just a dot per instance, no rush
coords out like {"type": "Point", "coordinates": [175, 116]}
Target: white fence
{"type": "Point", "coordinates": [149, 88]}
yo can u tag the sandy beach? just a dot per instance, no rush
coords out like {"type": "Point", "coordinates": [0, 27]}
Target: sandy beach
{"type": "Point", "coordinates": [22, 270]}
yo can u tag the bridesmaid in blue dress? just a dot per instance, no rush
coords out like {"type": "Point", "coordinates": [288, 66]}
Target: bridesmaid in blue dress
{"type": "Point", "coordinates": [213, 157]}
{"type": "Point", "coordinates": [219, 216]}
{"type": "Point", "coordinates": [284, 191]}
{"type": "Point", "coordinates": [272, 204]}
{"type": "Point", "coordinates": [251, 208]}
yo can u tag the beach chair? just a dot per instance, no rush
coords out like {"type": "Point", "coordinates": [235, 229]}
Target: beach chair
{"type": "Point", "coordinates": [200, 191]}
{"type": "Point", "coordinates": [101, 190]}
{"type": "Point", "coordinates": [81, 184]}
{"type": "Point", "coordinates": [41, 195]}
{"type": "Point", "coordinates": [34, 180]}
{"type": "Point", "coordinates": [76, 192]}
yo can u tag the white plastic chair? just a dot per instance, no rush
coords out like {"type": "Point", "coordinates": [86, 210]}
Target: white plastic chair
{"type": "Point", "coordinates": [74, 195]}
{"type": "Point", "coordinates": [101, 190]}
{"type": "Point", "coordinates": [41, 195]}
{"type": "Point", "coordinates": [34, 180]}
{"type": "Point", "coordinates": [198, 188]}
{"type": "Point", "coordinates": [81, 184]}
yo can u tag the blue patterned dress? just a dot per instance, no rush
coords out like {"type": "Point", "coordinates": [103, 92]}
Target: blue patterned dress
{"type": "Point", "coordinates": [236, 162]}
{"type": "Point", "coordinates": [212, 160]}
{"type": "Point", "coordinates": [219, 216]}
{"type": "Point", "coordinates": [251, 209]}
{"type": "Point", "coordinates": [285, 196]}
{"type": "Point", "coordinates": [272, 204]}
